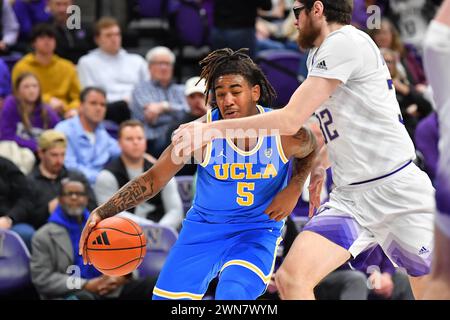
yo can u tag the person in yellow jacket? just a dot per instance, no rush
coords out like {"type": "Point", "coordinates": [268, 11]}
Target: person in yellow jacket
{"type": "Point", "coordinates": [58, 76]}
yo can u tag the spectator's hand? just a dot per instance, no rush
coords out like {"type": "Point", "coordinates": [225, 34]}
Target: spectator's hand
{"type": "Point", "coordinates": [101, 285]}
{"type": "Point", "coordinates": [413, 110]}
{"type": "Point", "coordinates": [401, 87]}
{"type": "Point", "coordinates": [283, 203]}
{"type": "Point", "coordinates": [71, 113]}
{"type": "Point", "coordinates": [315, 189]}
{"type": "Point", "coordinates": [52, 204]}
{"type": "Point", "coordinates": [109, 284]}
{"type": "Point", "coordinates": [94, 218]}
{"type": "Point", "coordinates": [3, 46]}
{"type": "Point", "coordinates": [153, 110]}
{"type": "Point", "coordinates": [382, 284]}
{"type": "Point", "coordinates": [56, 104]}
{"type": "Point", "coordinates": [5, 222]}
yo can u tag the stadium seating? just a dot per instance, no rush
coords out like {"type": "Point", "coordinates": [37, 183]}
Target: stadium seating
{"type": "Point", "coordinates": [185, 185]}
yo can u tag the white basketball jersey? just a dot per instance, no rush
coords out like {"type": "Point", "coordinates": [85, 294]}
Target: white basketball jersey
{"type": "Point", "coordinates": [361, 121]}
{"type": "Point", "coordinates": [437, 66]}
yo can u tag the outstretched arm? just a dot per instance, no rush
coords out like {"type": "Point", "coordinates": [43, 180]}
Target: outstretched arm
{"type": "Point", "coordinates": [303, 147]}
{"type": "Point", "coordinates": [138, 190]}
{"type": "Point", "coordinates": [309, 96]}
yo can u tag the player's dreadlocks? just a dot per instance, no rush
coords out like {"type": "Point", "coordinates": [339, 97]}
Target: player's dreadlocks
{"type": "Point", "coordinates": [226, 61]}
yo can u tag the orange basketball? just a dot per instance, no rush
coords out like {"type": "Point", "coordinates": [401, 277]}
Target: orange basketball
{"type": "Point", "coordinates": [116, 246]}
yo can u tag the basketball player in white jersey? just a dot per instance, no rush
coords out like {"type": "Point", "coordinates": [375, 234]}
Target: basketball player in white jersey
{"type": "Point", "coordinates": [381, 197]}
{"type": "Point", "coordinates": [437, 58]}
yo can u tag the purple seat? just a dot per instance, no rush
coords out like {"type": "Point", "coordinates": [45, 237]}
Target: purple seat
{"type": "Point", "coordinates": [189, 23]}
{"type": "Point", "coordinates": [281, 68]}
{"type": "Point", "coordinates": [152, 8]}
{"type": "Point", "coordinates": [14, 262]}
{"type": "Point", "coordinates": [185, 185]}
{"type": "Point", "coordinates": [160, 240]}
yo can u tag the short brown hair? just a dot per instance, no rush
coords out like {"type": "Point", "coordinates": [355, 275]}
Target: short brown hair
{"type": "Point", "coordinates": [104, 23]}
{"type": "Point", "coordinates": [339, 11]}
{"type": "Point", "coordinates": [129, 123]}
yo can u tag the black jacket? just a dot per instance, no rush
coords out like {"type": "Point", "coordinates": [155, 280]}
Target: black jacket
{"type": "Point", "coordinates": [117, 168]}
{"type": "Point", "coordinates": [236, 14]}
{"type": "Point", "coordinates": [14, 192]}
{"type": "Point", "coordinates": [45, 190]}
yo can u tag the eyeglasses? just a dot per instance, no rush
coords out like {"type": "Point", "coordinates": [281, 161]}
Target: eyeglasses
{"type": "Point", "coordinates": [74, 193]}
{"type": "Point", "coordinates": [297, 11]}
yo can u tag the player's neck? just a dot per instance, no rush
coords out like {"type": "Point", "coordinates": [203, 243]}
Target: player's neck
{"type": "Point", "coordinates": [329, 28]}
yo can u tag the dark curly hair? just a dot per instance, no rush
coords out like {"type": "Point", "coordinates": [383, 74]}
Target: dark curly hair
{"type": "Point", "coordinates": [226, 61]}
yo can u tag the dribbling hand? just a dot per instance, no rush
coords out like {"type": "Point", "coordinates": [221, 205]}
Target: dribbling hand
{"type": "Point", "coordinates": [92, 221]}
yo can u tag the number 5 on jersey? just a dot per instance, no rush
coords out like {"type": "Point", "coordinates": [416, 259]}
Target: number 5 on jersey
{"type": "Point", "coordinates": [245, 197]}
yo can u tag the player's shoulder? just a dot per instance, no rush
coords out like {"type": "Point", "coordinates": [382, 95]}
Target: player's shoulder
{"type": "Point", "coordinates": [343, 36]}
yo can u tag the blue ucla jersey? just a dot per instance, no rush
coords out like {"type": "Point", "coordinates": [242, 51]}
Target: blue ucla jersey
{"type": "Point", "coordinates": [236, 186]}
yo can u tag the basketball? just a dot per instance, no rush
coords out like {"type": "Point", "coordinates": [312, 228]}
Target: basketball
{"type": "Point", "coordinates": [116, 246]}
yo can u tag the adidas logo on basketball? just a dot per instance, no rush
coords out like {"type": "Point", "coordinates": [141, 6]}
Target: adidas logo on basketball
{"type": "Point", "coordinates": [423, 250]}
{"type": "Point", "coordinates": [322, 65]}
{"type": "Point", "coordinates": [102, 240]}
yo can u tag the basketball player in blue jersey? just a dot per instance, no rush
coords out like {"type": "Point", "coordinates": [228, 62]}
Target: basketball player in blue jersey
{"type": "Point", "coordinates": [437, 57]}
{"type": "Point", "coordinates": [234, 226]}
{"type": "Point", "coordinates": [381, 197]}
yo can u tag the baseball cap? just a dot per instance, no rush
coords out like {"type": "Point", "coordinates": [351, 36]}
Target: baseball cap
{"type": "Point", "coordinates": [191, 88]}
{"type": "Point", "coordinates": [52, 138]}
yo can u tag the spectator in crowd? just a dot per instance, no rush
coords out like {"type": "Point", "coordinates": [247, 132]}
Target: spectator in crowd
{"type": "Point", "coordinates": [9, 27]}
{"type": "Point", "coordinates": [159, 102]}
{"type": "Point", "coordinates": [24, 116]}
{"type": "Point", "coordinates": [71, 43]}
{"type": "Point", "coordinates": [5, 82]}
{"type": "Point", "coordinates": [412, 18]}
{"type": "Point", "coordinates": [165, 208]}
{"type": "Point", "coordinates": [112, 68]}
{"type": "Point", "coordinates": [410, 63]}
{"type": "Point", "coordinates": [427, 141]}
{"type": "Point", "coordinates": [386, 282]}
{"type": "Point", "coordinates": [89, 146]}
{"type": "Point", "coordinates": [413, 104]}
{"type": "Point", "coordinates": [57, 76]}
{"type": "Point", "coordinates": [14, 201]}
{"type": "Point", "coordinates": [195, 97]}
{"type": "Point", "coordinates": [55, 249]}
{"type": "Point", "coordinates": [234, 24]}
{"type": "Point", "coordinates": [45, 179]}
{"type": "Point", "coordinates": [29, 13]}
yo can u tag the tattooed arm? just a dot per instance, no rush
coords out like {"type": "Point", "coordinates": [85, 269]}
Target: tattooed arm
{"type": "Point", "coordinates": [138, 190]}
{"type": "Point", "coordinates": [303, 147]}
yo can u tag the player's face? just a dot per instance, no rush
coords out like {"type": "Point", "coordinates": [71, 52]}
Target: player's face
{"type": "Point", "coordinates": [74, 198]}
{"type": "Point", "coordinates": [53, 159]}
{"type": "Point", "coordinates": [29, 90]}
{"type": "Point", "coordinates": [110, 39]}
{"type": "Point", "coordinates": [235, 97]}
{"type": "Point", "coordinates": [308, 31]}
{"type": "Point", "coordinates": [93, 109]}
{"type": "Point", "coordinates": [132, 142]}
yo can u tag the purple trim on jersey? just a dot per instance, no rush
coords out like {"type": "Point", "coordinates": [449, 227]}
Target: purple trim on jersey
{"type": "Point", "coordinates": [385, 176]}
{"type": "Point", "coordinates": [340, 230]}
{"type": "Point", "coordinates": [443, 195]}
{"type": "Point", "coordinates": [416, 264]}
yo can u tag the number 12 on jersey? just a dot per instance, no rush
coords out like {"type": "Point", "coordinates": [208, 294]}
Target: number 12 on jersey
{"type": "Point", "coordinates": [245, 197]}
{"type": "Point", "coordinates": [326, 120]}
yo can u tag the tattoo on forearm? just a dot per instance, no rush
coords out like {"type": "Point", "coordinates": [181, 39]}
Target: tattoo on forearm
{"type": "Point", "coordinates": [303, 162]}
{"type": "Point", "coordinates": [130, 195]}
{"type": "Point", "coordinates": [306, 139]}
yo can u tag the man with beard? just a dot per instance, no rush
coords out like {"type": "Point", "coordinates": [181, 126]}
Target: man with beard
{"type": "Point", "coordinates": [381, 196]}
{"type": "Point", "coordinates": [57, 270]}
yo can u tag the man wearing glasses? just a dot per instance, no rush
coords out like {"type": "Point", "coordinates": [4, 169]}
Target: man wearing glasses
{"type": "Point", "coordinates": [381, 196]}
